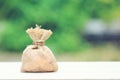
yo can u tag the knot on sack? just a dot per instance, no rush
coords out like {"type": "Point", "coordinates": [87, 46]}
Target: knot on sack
{"type": "Point", "coordinates": [38, 43]}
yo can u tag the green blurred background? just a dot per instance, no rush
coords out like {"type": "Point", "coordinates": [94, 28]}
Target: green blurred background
{"type": "Point", "coordinates": [68, 20]}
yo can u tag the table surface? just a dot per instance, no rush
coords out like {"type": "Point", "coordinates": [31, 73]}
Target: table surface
{"type": "Point", "coordinates": [67, 70]}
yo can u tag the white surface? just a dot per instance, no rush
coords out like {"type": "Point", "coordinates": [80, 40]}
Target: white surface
{"type": "Point", "coordinates": [67, 70]}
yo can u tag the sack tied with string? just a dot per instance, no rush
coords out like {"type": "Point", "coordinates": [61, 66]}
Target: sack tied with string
{"type": "Point", "coordinates": [38, 57]}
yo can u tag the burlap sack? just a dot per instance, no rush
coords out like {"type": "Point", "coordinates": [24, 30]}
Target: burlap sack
{"type": "Point", "coordinates": [38, 57]}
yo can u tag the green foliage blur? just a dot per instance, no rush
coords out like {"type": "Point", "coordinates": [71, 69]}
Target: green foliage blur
{"type": "Point", "coordinates": [66, 18]}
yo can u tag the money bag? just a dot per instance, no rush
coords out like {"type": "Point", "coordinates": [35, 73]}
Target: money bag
{"type": "Point", "coordinates": [38, 57]}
